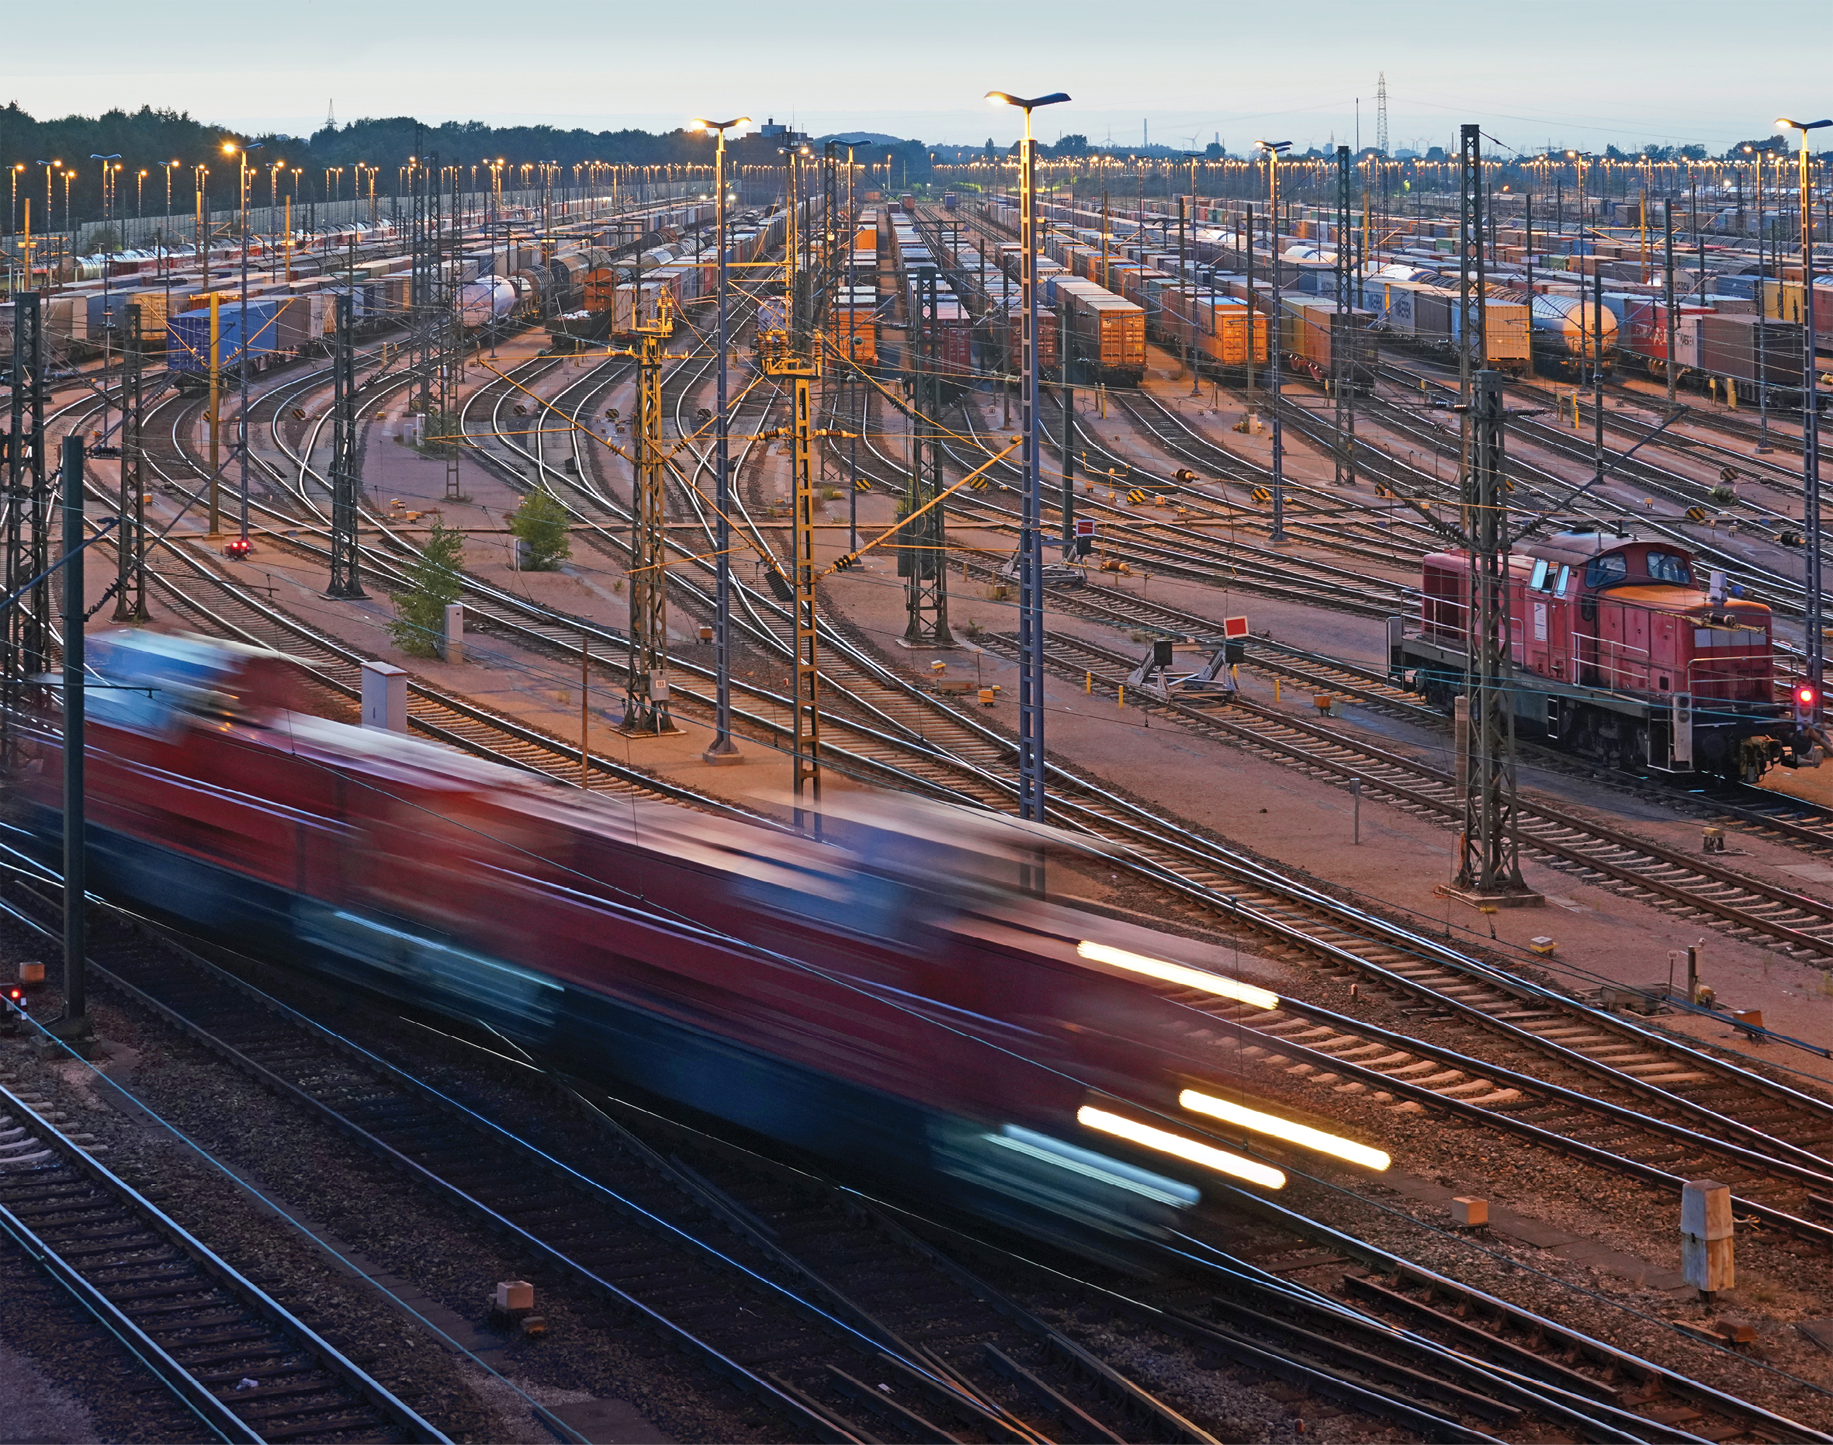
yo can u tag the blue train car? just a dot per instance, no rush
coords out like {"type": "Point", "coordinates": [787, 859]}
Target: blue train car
{"type": "Point", "coordinates": [188, 336]}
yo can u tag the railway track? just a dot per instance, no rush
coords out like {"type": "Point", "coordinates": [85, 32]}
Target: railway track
{"type": "Point", "coordinates": [851, 1328]}
{"type": "Point", "coordinates": [1674, 1080]}
{"type": "Point", "coordinates": [938, 772]}
{"type": "Point", "coordinates": [947, 773]}
{"type": "Point", "coordinates": [245, 1367]}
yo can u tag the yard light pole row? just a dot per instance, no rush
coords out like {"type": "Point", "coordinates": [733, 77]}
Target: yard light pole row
{"type": "Point", "coordinates": [108, 319]}
{"type": "Point", "coordinates": [1031, 806]}
{"type": "Point", "coordinates": [1274, 150]}
{"type": "Point", "coordinates": [240, 545]}
{"type": "Point", "coordinates": [723, 749]}
{"type": "Point", "coordinates": [1810, 428]}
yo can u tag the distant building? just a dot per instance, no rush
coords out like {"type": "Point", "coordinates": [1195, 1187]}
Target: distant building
{"type": "Point", "coordinates": [770, 127]}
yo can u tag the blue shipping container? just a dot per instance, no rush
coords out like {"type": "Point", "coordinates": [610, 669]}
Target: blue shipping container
{"type": "Point", "coordinates": [188, 335]}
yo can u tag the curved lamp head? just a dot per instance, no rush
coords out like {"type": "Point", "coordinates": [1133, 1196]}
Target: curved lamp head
{"type": "Point", "coordinates": [717, 125]}
{"type": "Point", "coordinates": [1804, 126]}
{"type": "Point", "coordinates": [1001, 97]}
{"type": "Point", "coordinates": [1273, 147]}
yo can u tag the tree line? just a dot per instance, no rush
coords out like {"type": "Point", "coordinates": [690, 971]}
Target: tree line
{"type": "Point", "coordinates": [148, 138]}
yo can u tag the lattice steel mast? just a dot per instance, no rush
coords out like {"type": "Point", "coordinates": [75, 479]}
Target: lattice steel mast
{"type": "Point", "coordinates": [1489, 862]}
{"type": "Point", "coordinates": [346, 550]}
{"type": "Point", "coordinates": [22, 625]}
{"type": "Point", "coordinates": [920, 558]}
{"type": "Point", "coordinates": [130, 532]}
{"type": "Point", "coordinates": [646, 696]}
{"type": "Point", "coordinates": [1340, 353]}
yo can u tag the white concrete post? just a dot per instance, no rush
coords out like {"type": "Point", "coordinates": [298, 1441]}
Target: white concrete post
{"type": "Point", "coordinates": [385, 697]}
{"type": "Point", "coordinates": [1705, 1235]}
{"type": "Point", "coordinates": [453, 646]}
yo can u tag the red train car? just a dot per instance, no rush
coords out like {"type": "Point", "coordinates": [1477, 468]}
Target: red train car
{"type": "Point", "coordinates": [881, 998]}
{"type": "Point", "coordinates": [1620, 651]}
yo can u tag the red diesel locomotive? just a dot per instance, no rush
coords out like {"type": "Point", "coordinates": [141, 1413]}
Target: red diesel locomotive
{"type": "Point", "coordinates": [887, 998]}
{"type": "Point", "coordinates": [1621, 652]}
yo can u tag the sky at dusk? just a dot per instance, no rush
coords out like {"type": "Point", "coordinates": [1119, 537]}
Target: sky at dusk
{"type": "Point", "coordinates": [1566, 71]}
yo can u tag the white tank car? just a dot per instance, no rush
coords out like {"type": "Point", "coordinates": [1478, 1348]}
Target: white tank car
{"type": "Point", "coordinates": [1566, 331]}
{"type": "Point", "coordinates": [486, 300]}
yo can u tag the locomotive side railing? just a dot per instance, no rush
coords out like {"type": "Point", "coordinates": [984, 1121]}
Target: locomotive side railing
{"type": "Point", "coordinates": [1611, 661]}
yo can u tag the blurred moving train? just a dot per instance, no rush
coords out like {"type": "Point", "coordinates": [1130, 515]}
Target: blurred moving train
{"type": "Point", "coordinates": [885, 998]}
{"type": "Point", "coordinates": [1621, 651]}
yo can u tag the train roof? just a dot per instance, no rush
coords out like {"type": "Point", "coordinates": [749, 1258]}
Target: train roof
{"type": "Point", "coordinates": [1577, 546]}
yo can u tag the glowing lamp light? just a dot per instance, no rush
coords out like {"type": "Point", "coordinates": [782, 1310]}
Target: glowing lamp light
{"type": "Point", "coordinates": [1805, 696]}
{"type": "Point", "coordinates": [237, 548]}
{"type": "Point", "coordinates": [1277, 1128]}
{"type": "Point", "coordinates": [1177, 973]}
{"type": "Point", "coordinates": [1176, 1145]}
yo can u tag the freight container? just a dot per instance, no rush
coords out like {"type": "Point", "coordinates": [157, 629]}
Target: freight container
{"type": "Point", "coordinates": [1216, 325]}
{"type": "Point", "coordinates": [188, 337]}
{"type": "Point", "coordinates": [1107, 333]}
{"type": "Point", "coordinates": [1318, 337]}
{"type": "Point", "coordinates": [1751, 349]}
{"type": "Point", "coordinates": [66, 318]}
{"type": "Point", "coordinates": [304, 321]}
{"type": "Point", "coordinates": [853, 325]}
{"type": "Point", "coordinates": [1006, 328]}
{"type": "Point", "coordinates": [1643, 328]}
{"type": "Point", "coordinates": [1783, 301]}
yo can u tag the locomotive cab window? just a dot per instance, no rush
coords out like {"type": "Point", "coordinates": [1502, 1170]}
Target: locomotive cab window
{"type": "Point", "coordinates": [1538, 581]}
{"type": "Point", "coordinates": [1565, 578]}
{"type": "Point", "coordinates": [1602, 571]}
{"type": "Point", "coordinates": [1669, 567]}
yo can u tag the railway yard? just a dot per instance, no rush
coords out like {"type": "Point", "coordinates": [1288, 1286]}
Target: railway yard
{"type": "Point", "coordinates": [1138, 971]}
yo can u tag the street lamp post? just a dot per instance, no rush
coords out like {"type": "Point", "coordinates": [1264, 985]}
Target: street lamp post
{"type": "Point", "coordinates": [107, 312]}
{"type": "Point", "coordinates": [722, 750]}
{"type": "Point", "coordinates": [1030, 531]}
{"type": "Point", "coordinates": [1274, 150]}
{"type": "Point", "coordinates": [240, 546]}
{"type": "Point", "coordinates": [1810, 429]}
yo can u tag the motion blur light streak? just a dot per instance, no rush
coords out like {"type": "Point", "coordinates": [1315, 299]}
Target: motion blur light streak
{"type": "Point", "coordinates": [1207, 1155]}
{"type": "Point", "coordinates": [1177, 973]}
{"type": "Point", "coordinates": [1278, 1128]}
{"type": "Point", "coordinates": [1094, 1166]}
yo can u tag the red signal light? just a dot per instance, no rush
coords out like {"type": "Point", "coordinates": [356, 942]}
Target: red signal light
{"type": "Point", "coordinates": [1805, 696]}
{"type": "Point", "coordinates": [237, 548]}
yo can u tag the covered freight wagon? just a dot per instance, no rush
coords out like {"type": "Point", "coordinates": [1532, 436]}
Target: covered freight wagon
{"type": "Point", "coordinates": [1321, 339]}
{"type": "Point", "coordinates": [1106, 334]}
{"type": "Point", "coordinates": [1217, 326]}
{"type": "Point", "coordinates": [188, 338]}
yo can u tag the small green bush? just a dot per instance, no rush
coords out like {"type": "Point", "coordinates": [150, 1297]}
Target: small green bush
{"type": "Point", "coordinates": [420, 612]}
{"type": "Point", "coordinates": [540, 524]}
